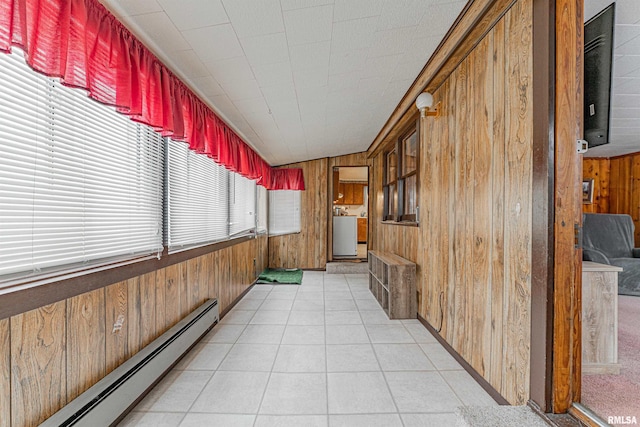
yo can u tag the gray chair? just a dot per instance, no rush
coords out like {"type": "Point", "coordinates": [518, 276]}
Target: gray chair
{"type": "Point", "coordinates": [608, 239]}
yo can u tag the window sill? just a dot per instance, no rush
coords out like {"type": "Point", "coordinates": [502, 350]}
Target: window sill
{"type": "Point", "coordinates": [402, 223]}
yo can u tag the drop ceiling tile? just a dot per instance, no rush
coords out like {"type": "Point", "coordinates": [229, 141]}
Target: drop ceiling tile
{"type": "Point", "coordinates": [230, 70]}
{"type": "Point", "coordinates": [300, 4]}
{"type": "Point", "coordinates": [346, 62]}
{"type": "Point", "coordinates": [623, 113]}
{"type": "Point", "coordinates": [308, 25]}
{"type": "Point", "coordinates": [626, 66]}
{"type": "Point", "coordinates": [277, 74]}
{"type": "Point", "coordinates": [420, 50]}
{"type": "Point", "coordinates": [625, 101]}
{"type": "Point", "coordinates": [266, 49]}
{"type": "Point", "coordinates": [208, 86]}
{"type": "Point", "coordinates": [241, 89]}
{"type": "Point", "coordinates": [372, 85]}
{"type": "Point", "coordinates": [311, 78]}
{"type": "Point", "coordinates": [382, 66]}
{"type": "Point", "coordinates": [254, 18]}
{"type": "Point", "coordinates": [354, 34]}
{"type": "Point", "coordinates": [391, 42]}
{"type": "Point", "coordinates": [252, 105]}
{"type": "Point", "coordinates": [339, 83]}
{"type": "Point", "coordinates": [624, 33]}
{"type": "Point", "coordinates": [214, 43]}
{"type": "Point", "coordinates": [159, 28]}
{"type": "Point", "coordinates": [139, 7]}
{"type": "Point", "coordinates": [438, 19]}
{"type": "Point", "coordinates": [345, 10]}
{"type": "Point", "coordinates": [279, 94]}
{"type": "Point", "coordinates": [398, 88]}
{"type": "Point", "coordinates": [190, 14]}
{"type": "Point", "coordinates": [189, 62]}
{"type": "Point", "coordinates": [401, 13]}
{"type": "Point", "coordinates": [313, 55]}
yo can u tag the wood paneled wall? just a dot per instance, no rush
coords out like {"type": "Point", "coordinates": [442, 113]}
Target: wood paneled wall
{"type": "Point", "coordinates": [473, 245]}
{"type": "Point", "coordinates": [307, 249]}
{"type": "Point", "coordinates": [310, 248]}
{"type": "Point", "coordinates": [616, 187]}
{"type": "Point", "coordinates": [50, 355]}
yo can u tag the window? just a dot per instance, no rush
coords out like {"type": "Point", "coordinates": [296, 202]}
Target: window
{"type": "Point", "coordinates": [261, 208]}
{"type": "Point", "coordinates": [400, 186]}
{"type": "Point", "coordinates": [197, 199]}
{"type": "Point", "coordinates": [80, 185]}
{"type": "Point", "coordinates": [242, 205]}
{"type": "Point", "coordinates": [284, 212]}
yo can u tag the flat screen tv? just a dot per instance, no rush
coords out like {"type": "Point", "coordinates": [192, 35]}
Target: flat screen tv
{"type": "Point", "coordinates": [598, 56]}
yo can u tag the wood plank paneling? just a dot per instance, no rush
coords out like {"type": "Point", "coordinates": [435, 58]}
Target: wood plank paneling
{"type": "Point", "coordinates": [616, 187]}
{"type": "Point", "coordinates": [85, 336]}
{"type": "Point", "coordinates": [473, 245]}
{"type": "Point", "coordinates": [307, 249]}
{"type": "Point", "coordinates": [5, 374]}
{"type": "Point", "coordinates": [116, 325]}
{"type": "Point", "coordinates": [38, 364]}
{"type": "Point", "coordinates": [50, 355]}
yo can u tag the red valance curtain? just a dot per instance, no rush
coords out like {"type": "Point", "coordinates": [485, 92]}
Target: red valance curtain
{"type": "Point", "coordinates": [84, 45]}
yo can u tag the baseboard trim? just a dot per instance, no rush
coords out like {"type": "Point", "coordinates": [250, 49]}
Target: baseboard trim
{"type": "Point", "coordinates": [467, 367]}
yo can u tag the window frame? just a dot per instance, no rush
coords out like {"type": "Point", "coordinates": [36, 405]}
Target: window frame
{"type": "Point", "coordinates": [400, 178]}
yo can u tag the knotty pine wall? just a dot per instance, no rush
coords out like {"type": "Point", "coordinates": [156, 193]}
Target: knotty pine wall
{"type": "Point", "coordinates": [473, 245]}
{"type": "Point", "coordinates": [616, 187]}
{"type": "Point", "coordinates": [50, 355]}
{"type": "Point", "coordinates": [309, 248]}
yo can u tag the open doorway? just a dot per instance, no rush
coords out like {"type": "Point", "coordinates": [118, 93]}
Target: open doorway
{"type": "Point", "coordinates": [350, 222]}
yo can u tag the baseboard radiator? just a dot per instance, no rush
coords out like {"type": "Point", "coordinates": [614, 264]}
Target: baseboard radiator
{"type": "Point", "coordinates": [104, 403]}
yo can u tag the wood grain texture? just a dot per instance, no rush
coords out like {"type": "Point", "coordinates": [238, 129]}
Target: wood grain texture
{"type": "Point", "coordinates": [616, 187]}
{"type": "Point", "coordinates": [471, 26]}
{"type": "Point", "coordinates": [86, 363]}
{"type": "Point", "coordinates": [568, 204]}
{"type": "Point", "coordinates": [5, 374]}
{"type": "Point", "coordinates": [116, 325]}
{"type": "Point", "coordinates": [473, 245]}
{"type": "Point", "coordinates": [38, 364]}
{"type": "Point", "coordinates": [307, 249]}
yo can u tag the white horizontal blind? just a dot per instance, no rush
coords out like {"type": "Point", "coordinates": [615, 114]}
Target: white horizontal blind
{"type": "Point", "coordinates": [79, 183]}
{"type": "Point", "coordinates": [197, 199]}
{"type": "Point", "coordinates": [284, 212]}
{"type": "Point", "coordinates": [242, 204]}
{"type": "Point", "coordinates": [261, 208]}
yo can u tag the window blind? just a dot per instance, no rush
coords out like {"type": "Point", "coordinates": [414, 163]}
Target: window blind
{"type": "Point", "coordinates": [79, 183]}
{"type": "Point", "coordinates": [261, 208]}
{"type": "Point", "coordinates": [284, 212]}
{"type": "Point", "coordinates": [197, 199]}
{"type": "Point", "coordinates": [242, 205]}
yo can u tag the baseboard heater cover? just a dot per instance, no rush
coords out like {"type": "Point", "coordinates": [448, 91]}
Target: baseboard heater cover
{"type": "Point", "coordinates": [104, 403]}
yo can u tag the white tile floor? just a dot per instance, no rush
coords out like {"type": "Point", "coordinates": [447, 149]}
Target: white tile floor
{"type": "Point", "coordinates": [319, 354]}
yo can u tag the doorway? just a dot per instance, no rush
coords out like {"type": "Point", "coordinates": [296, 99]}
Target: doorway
{"type": "Point", "coordinates": [350, 213]}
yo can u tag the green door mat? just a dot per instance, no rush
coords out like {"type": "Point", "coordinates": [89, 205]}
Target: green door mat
{"type": "Point", "coordinates": [278, 275]}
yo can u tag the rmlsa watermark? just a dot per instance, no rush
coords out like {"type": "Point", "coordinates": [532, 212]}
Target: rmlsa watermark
{"type": "Point", "coordinates": [620, 419]}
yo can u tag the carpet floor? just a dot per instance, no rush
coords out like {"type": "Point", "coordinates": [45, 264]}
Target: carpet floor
{"type": "Point", "coordinates": [618, 395]}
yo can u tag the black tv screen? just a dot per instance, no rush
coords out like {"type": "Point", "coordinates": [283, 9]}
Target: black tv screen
{"type": "Point", "coordinates": [598, 56]}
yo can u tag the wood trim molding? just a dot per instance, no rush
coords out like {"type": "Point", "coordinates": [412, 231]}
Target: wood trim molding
{"type": "Point", "coordinates": [467, 367]}
{"type": "Point", "coordinates": [567, 204]}
{"type": "Point", "coordinates": [31, 296]}
{"type": "Point", "coordinates": [543, 31]}
{"type": "Point", "coordinates": [473, 23]}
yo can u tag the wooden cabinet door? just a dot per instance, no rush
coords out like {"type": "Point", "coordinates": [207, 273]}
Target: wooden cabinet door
{"type": "Point", "coordinates": [348, 194]}
{"type": "Point", "coordinates": [358, 194]}
{"type": "Point", "coordinates": [362, 230]}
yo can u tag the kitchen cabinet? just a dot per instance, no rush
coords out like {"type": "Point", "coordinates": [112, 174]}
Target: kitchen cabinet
{"type": "Point", "coordinates": [362, 230]}
{"type": "Point", "coordinates": [352, 193]}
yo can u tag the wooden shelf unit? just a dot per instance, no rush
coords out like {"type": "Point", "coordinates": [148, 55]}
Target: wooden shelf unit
{"type": "Point", "coordinates": [392, 280]}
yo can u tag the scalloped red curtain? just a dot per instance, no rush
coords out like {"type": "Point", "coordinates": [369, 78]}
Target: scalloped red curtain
{"type": "Point", "coordinates": [84, 45]}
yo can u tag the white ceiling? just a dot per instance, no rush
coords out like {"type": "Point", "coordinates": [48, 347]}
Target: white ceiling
{"type": "Point", "coordinates": [625, 102]}
{"type": "Point", "coordinates": [298, 79]}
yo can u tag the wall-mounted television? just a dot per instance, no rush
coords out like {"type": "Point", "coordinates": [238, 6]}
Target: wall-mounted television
{"type": "Point", "coordinates": [598, 57]}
